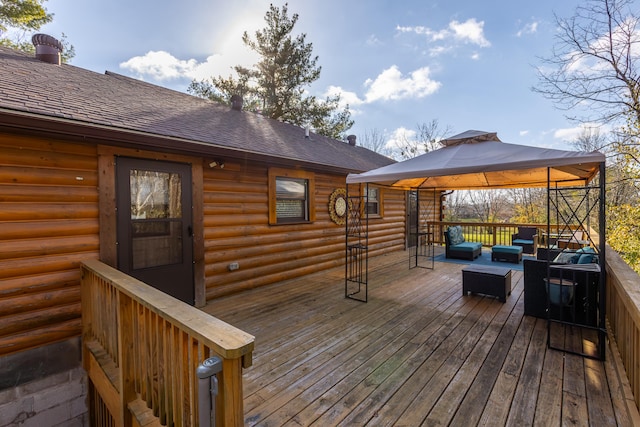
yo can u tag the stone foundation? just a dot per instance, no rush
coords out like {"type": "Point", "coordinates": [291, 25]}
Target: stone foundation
{"type": "Point", "coordinates": [44, 387]}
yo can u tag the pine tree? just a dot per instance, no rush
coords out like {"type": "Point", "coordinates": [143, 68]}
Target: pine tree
{"type": "Point", "coordinates": [275, 86]}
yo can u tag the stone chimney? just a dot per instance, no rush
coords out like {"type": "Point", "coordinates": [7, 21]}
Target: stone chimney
{"type": "Point", "coordinates": [48, 49]}
{"type": "Point", "coordinates": [352, 140]}
{"type": "Point", "coordinates": [236, 102]}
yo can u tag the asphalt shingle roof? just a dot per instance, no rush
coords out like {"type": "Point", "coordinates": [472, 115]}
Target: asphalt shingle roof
{"type": "Point", "coordinates": [121, 103]}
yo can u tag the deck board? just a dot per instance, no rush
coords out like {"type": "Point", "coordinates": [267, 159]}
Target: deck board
{"type": "Point", "coordinates": [418, 353]}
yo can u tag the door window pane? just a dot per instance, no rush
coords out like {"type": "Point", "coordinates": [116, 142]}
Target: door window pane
{"type": "Point", "coordinates": [155, 194]}
{"type": "Point", "coordinates": [156, 224]}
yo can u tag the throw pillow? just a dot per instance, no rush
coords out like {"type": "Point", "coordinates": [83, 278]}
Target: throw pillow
{"type": "Point", "coordinates": [567, 257]}
{"type": "Point", "coordinates": [455, 235]}
{"type": "Point", "coordinates": [585, 259]}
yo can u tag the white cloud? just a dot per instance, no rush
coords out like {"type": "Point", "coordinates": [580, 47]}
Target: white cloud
{"type": "Point", "coordinates": [470, 31]}
{"type": "Point", "coordinates": [523, 133]}
{"type": "Point", "coordinates": [400, 137]}
{"type": "Point", "coordinates": [159, 65]}
{"type": "Point", "coordinates": [425, 31]}
{"type": "Point", "coordinates": [439, 50]}
{"type": "Point", "coordinates": [391, 84]}
{"type": "Point", "coordinates": [346, 98]}
{"type": "Point", "coordinates": [572, 134]}
{"type": "Point", "coordinates": [162, 66]}
{"type": "Point", "coordinates": [529, 28]}
{"type": "Point", "coordinates": [568, 134]}
{"type": "Point", "coordinates": [372, 40]}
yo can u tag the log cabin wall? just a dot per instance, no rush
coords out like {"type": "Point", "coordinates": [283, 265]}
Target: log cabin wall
{"type": "Point", "coordinates": [48, 224]}
{"type": "Point", "coordinates": [237, 230]}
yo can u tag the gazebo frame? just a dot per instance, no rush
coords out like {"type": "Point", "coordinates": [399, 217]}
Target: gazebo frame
{"type": "Point", "coordinates": [479, 160]}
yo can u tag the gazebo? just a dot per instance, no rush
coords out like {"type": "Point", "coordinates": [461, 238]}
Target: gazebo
{"type": "Point", "coordinates": [479, 160]}
{"type": "Point", "coordinates": [475, 160]}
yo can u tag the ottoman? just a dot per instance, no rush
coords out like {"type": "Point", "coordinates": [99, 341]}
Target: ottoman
{"type": "Point", "coordinates": [495, 281]}
{"type": "Point", "coordinates": [506, 253]}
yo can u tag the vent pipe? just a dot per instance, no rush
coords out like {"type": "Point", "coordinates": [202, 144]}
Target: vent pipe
{"type": "Point", "coordinates": [48, 49]}
{"type": "Point", "coordinates": [352, 140]}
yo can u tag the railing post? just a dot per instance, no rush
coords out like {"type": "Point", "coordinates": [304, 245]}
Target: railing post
{"type": "Point", "coordinates": [208, 390]}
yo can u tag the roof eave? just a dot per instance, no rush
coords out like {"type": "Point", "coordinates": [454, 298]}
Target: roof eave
{"type": "Point", "coordinates": [81, 131]}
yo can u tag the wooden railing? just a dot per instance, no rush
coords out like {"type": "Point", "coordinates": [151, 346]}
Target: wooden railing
{"type": "Point", "coordinates": [623, 315]}
{"type": "Point", "coordinates": [141, 349]}
{"type": "Point", "coordinates": [489, 233]}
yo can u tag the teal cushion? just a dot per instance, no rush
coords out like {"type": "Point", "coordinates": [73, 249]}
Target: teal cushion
{"type": "Point", "coordinates": [455, 235]}
{"type": "Point", "coordinates": [585, 259]}
{"type": "Point", "coordinates": [523, 241]}
{"type": "Point", "coordinates": [467, 246]}
{"type": "Point", "coordinates": [507, 249]}
{"type": "Point", "coordinates": [586, 250]}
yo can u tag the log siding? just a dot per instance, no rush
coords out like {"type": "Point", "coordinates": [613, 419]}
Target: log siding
{"type": "Point", "coordinates": [56, 211]}
{"type": "Point", "coordinates": [237, 230]}
{"type": "Point", "coordinates": [48, 225]}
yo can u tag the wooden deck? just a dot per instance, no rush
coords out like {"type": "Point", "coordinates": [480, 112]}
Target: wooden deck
{"type": "Point", "coordinates": [418, 353]}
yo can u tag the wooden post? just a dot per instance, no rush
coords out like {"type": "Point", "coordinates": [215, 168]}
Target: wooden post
{"type": "Point", "coordinates": [230, 399]}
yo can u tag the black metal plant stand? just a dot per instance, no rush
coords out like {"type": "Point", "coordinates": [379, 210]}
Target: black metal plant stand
{"type": "Point", "coordinates": [421, 249]}
{"type": "Point", "coordinates": [356, 245]}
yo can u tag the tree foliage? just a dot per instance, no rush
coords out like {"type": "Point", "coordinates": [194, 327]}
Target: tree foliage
{"type": "Point", "coordinates": [19, 18]}
{"type": "Point", "coordinates": [26, 15]}
{"type": "Point", "coordinates": [529, 205]}
{"type": "Point", "coordinates": [627, 147]}
{"type": "Point", "coordinates": [276, 85]}
{"type": "Point", "coordinates": [489, 205]}
{"type": "Point", "coordinates": [624, 233]}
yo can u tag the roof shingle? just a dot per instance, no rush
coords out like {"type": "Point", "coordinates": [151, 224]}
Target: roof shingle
{"type": "Point", "coordinates": [125, 104]}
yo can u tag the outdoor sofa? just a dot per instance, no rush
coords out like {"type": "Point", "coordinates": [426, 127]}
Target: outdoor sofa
{"type": "Point", "coordinates": [535, 288]}
{"type": "Point", "coordinates": [457, 247]}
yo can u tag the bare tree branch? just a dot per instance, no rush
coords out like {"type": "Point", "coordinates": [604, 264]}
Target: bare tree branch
{"type": "Point", "coordinates": [593, 71]}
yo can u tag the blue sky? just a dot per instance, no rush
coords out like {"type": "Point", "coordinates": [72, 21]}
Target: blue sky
{"type": "Point", "coordinates": [468, 64]}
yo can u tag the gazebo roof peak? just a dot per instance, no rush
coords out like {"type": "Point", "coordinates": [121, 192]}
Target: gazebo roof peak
{"type": "Point", "coordinates": [470, 137]}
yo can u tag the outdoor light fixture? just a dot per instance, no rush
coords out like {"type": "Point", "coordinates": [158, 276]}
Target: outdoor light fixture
{"type": "Point", "coordinates": [217, 163]}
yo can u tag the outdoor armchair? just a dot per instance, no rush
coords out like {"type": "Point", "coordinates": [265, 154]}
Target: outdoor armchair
{"type": "Point", "coordinates": [457, 247]}
{"type": "Point", "coordinates": [527, 237]}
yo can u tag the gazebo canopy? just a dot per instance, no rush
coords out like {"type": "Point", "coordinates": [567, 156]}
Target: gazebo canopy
{"type": "Point", "coordinates": [477, 159]}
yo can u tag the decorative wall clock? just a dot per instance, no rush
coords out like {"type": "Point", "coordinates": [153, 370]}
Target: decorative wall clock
{"type": "Point", "coordinates": [338, 206]}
